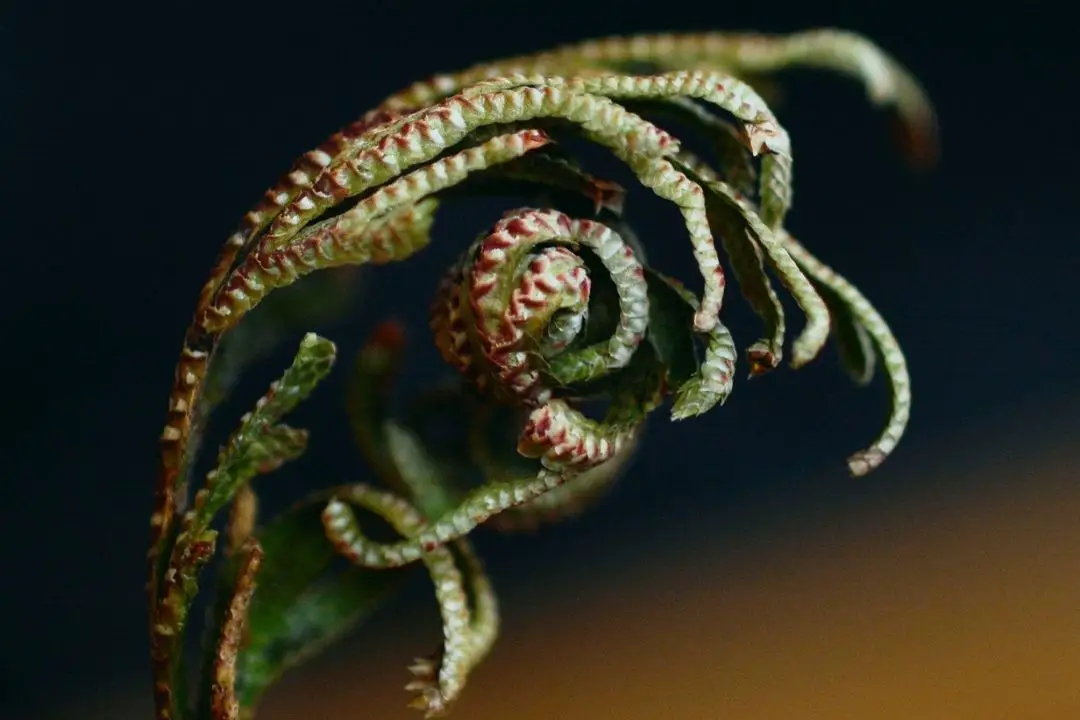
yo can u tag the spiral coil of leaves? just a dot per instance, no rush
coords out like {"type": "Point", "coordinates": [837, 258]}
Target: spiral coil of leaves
{"type": "Point", "coordinates": [553, 307]}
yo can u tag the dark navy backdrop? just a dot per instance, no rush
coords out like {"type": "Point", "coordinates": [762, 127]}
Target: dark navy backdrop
{"type": "Point", "coordinates": [138, 133]}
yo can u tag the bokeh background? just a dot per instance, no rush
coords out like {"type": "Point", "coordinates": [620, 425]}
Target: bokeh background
{"type": "Point", "coordinates": [736, 572]}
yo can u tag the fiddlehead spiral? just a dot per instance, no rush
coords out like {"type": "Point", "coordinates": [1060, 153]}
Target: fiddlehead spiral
{"type": "Point", "coordinates": [551, 312]}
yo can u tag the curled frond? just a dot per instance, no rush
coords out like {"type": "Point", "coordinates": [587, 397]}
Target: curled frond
{"type": "Point", "coordinates": [871, 322]}
{"type": "Point", "coordinates": [563, 337]}
{"type": "Point", "coordinates": [466, 639]}
{"type": "Point", "coordinates": [887, 82]}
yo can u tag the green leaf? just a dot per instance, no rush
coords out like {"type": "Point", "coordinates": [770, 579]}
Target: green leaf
{"type": "Point", "coordinates": [299, 607]}
{"type": "Point", "coordinates": [853, 343]}
{"type": "Point", "coordinates": [671, 328]}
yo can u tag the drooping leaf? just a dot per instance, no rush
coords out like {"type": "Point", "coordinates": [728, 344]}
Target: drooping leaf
{"type": "Point", "coordinates": [712, 382]}
{"type": "Point", "coordinates": [892, 357]}
{"type": "Point", "coordinates": [740, 237]}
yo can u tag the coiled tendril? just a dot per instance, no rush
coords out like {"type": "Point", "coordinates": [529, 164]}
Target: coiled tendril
{"type": "Point", "coordinates": [549, 311]}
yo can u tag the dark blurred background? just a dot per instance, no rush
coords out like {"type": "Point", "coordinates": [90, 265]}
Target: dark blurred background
{"type": "Point", "coordinates": [736, 571]}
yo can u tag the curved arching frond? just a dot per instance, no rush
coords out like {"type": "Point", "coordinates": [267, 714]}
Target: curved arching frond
{"type": "Point", "coordinates": [562, 337]}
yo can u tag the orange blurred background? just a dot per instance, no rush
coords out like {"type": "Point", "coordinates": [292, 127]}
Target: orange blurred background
{"type": "Point", "coordinates": [942, 586]}
{"type": "Point", "coordinates": [954, 596]}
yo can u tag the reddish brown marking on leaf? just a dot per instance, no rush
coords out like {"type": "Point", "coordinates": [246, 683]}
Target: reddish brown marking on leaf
{"type": "Point", "coordinates": [605, 194]}
{"type": "Point", "coordinates": [309, 164]}
{"type": "Point", "coordinates": [586, 286]}
{"type": "Point", "coordinates": [533, 302]}
{"type": "Point", "coordinates": [480, 290]}
{"type": "Point", "coordinates": [917, 143]}
{"type": "Point", "coordinates": [541, 425]}
{"type": "Point", "coordinates": [328, 186]}
{"type": "Point", "coordinates": [389, 334]}
{"type": "Point", "coordinates": [761, 361]}
{"type": "Point", "coordinates": [546, 284]}
{"type": "Point", "coordinates": [565, 224]}
{"type": "Point", "coordinates": [507, 328]}
{"type": "Point", "coordinates": [201, 551]}
{"type": "Point", "coordinates": [516, 226]}
{"type": "Point", "coordinates": [533, 139]}
{"type": "Point", "coordinates": [163, 700]}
